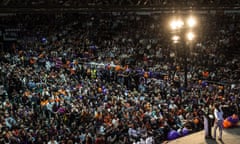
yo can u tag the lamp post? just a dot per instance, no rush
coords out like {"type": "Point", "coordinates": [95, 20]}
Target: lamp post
{"type": "Point", "coordinates": [182, 30]}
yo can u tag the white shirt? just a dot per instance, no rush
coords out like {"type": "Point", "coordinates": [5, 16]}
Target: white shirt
{"type": "Point", "coordinates": [132, 132]}
{"type": "Point", "coordinates": [218, 114]}
{"type": "Point", "coordinates": [149, 140]}
{"type": "Point", "coordinates": [50, 106]}
{"type": "Point", "coordinates": [52, 142]}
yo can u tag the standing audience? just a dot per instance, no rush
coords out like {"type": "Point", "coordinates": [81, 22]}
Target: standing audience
{"type": "Point", "coordinates": [79, 78]}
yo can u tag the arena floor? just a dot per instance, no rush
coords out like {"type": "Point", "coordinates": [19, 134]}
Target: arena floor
{"type": "Point", "coordinates": [230, 136]}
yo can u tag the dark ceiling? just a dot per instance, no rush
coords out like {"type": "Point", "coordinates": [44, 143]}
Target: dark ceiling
{"type": "Point", "coordinates": [115, 3]}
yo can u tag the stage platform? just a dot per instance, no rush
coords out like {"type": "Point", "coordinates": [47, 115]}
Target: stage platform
{"type": "Point", "coordinates": [230, 136]}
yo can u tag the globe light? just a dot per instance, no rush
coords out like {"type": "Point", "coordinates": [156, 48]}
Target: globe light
{"type": "Point", "coordinates": [173, 25]}
{"type": "Point", "coordinates": [176, 24]}
{"type": "Point", "coordinates": [190, 36]}
{"type": "Point", "coordinates": [175, 38]}
{"type": "Point", "coordinates": [191, 22]}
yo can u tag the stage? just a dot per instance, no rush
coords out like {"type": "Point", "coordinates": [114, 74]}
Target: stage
{"type": "Point", "coordinates": [230, 136]}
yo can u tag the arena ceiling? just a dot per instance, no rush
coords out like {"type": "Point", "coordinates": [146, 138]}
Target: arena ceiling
{"type": "Point", "coordinates": [114, 5]}
{"type": "Point", "coordinates": [108, 4]}
{"type": "Point", "coordinates": [86, 3]}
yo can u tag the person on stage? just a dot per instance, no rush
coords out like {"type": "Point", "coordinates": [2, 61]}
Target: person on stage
{"type": "Point", "coordinates": [218, 113]}
{"type": "Point", "coordinates": [208, 118]}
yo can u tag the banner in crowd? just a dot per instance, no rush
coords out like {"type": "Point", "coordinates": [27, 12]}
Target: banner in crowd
{"type": "Point", "coordinates": [10, 34]}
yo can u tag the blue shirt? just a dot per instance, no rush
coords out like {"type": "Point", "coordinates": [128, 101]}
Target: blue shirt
{"type": "Point", "coordinates": [218, 114]}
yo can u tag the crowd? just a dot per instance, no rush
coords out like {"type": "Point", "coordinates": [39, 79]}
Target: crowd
{"type": "Point", "coordinates": [78, 78]}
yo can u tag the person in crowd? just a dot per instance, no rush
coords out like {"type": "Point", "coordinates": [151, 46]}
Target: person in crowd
{"type": "Point", "coordinates": [218, 113]}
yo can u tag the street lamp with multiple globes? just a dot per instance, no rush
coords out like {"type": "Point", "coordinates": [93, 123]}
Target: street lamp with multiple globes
{"type": "Point", "coordinates": [182, 30]}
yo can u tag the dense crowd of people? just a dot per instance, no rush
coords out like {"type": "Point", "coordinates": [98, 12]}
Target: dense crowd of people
{"type": "Point", "coordinates": [112, 78]}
